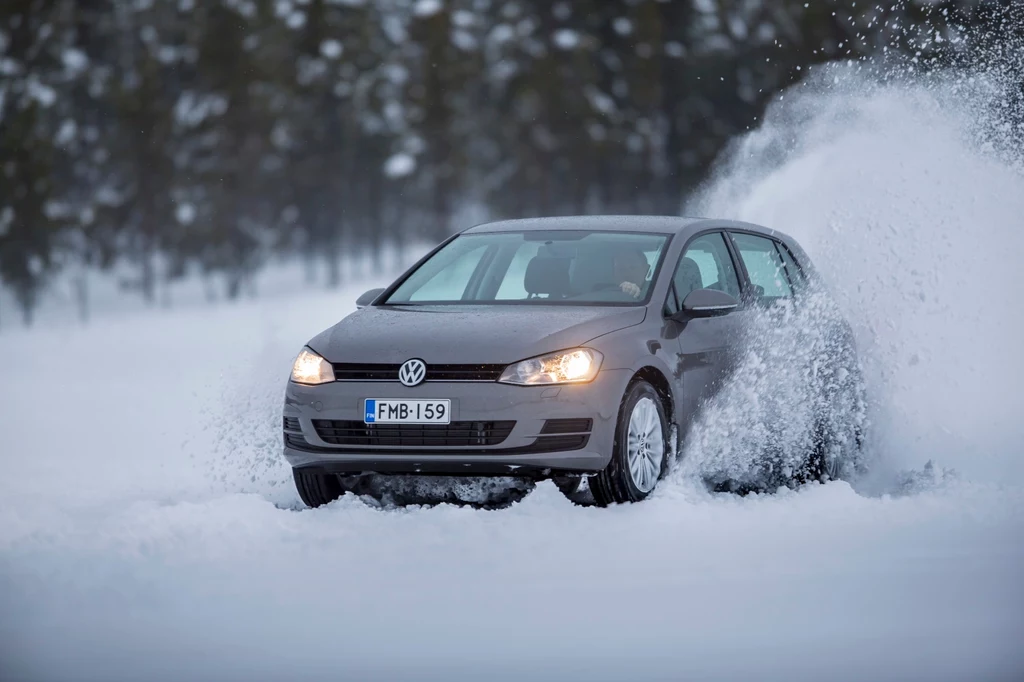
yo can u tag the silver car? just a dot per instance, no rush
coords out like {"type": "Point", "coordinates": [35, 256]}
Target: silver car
{"type": "Point", "coordinates": [571, 349]}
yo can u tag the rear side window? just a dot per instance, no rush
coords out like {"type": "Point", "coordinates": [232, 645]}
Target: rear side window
{"type": "Point", "coordinates": [764, 265]}
{"type": "Point", "coordinates": [796, 275]}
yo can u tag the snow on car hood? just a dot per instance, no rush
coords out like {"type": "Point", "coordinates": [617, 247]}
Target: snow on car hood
{"type": "Point", "coordinates": [467, 334]}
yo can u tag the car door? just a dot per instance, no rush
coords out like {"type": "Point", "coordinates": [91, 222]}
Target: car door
{"type": "Point", "coordinates": [705, 353]}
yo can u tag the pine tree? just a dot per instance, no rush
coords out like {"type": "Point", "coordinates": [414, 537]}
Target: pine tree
{"type": "Point", "coordinates": [30, 216]}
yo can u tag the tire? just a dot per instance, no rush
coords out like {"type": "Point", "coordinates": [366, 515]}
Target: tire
{"type": "Point", "coordinates": [642, 411]}
{"type": "Point", "coordinates": [317, 489]}
{"type": "Point", "coordinates": [575, 489]}
{"type": "Point", "coordinates": [837, 452]}
{"type": "Point", "coordinates": [567, 485]}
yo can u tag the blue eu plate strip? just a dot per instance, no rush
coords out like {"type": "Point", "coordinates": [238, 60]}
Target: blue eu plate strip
{"type": "Point", "coordinates": [371, 411]}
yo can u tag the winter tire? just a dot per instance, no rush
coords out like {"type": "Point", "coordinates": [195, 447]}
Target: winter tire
{"type": "Point", "coordinates": [640, 452]}
{"type": "Point", "coordinates": [317, 489]}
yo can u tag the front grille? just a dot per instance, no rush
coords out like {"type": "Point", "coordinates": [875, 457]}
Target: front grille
{"type": "Point", "coordinates": [456, 434]}
{"type": "Point", "coordinates": [567, 426]}
{"type": "Point", "coordinates": [291, 424]}
{"type": "Point", "coordinates": [347, 371]}
{"type": "Point", "coordinates": [350, 371]}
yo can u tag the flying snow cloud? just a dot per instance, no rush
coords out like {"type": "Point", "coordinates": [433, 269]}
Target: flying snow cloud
{"type": "Point", "coordinates": [908, 192]}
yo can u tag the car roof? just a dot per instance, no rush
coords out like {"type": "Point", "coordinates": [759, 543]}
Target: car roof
{"type": "Point", "coordinates": [625, 223]}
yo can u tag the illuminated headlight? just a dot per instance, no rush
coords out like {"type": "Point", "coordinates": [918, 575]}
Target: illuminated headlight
{"type": "Point", "coordinates": [575, 366]}
{"type": "Point", "coordinates": [310, 368]}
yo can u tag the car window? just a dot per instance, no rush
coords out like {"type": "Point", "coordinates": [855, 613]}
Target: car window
{"type": "Point", "coordinates": [451, 280]}
{"type": "Point", "coordinates": [796, 275]}
{"type": "Point", "coordinates": [513, 285]}
{"type": "Point", "coordinates": [570, 267]}
{"type": "Point", "coordinates": [706, 264]}
{"type": "Point", "coordinates": [764, 266]}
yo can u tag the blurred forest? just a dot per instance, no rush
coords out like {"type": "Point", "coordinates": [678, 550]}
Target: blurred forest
{"type": "Point", "coordinates": [168, 137]}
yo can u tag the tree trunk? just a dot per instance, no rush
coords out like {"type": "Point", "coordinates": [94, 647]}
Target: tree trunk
{"type": "Point", "coordinates": [27, 303]}
{"type": "Point", "coordinates": [147, 281]}
{"type": "Point", "coordinates": [233, 285]}
{"type": "Point", "coordinates": [333, 258]}
{"type": "Point", "coordinates": [80, 283]}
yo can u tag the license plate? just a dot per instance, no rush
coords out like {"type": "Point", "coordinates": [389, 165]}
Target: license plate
{"type": "Point", "coordinates": [381, 411]}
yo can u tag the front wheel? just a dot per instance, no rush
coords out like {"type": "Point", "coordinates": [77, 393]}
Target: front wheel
{"type": "Point", "coordinates": [317, 489]}
{"type": "Point", "coordinates": [640, 451]}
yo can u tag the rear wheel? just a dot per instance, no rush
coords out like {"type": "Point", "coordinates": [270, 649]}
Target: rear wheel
{"type": "Point", "coordinates": [640, 451]}
{"type": "Point", "coordinates": [315, 488]}
{"type": "Point", "coordinates": [838, 442]}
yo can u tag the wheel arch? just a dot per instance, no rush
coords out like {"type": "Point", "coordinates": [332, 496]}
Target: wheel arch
{"type": "Point", "coordinates": [656, 378]}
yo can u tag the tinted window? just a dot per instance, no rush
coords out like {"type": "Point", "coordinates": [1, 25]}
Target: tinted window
{"type": "Point", "coordinates": [706, 264]}
{"type": "Point", "coordinates": [570, 267]}
{"type": "Point", "coordinates": [764, 265]}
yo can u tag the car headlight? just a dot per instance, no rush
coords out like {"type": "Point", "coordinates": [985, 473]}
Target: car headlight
{"type": "Point", "coordinates": [575, 366]}
{"type": "Point", "coordinates": [310, 368]}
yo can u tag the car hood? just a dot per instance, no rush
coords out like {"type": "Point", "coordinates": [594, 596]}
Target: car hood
{"type": "Point", "coordinates": [467, 334]}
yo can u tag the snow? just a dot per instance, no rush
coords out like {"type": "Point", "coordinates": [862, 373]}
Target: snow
{"type": "Point", "coordinates": [41, 92]}
{"type": "Point", "coordinates": [75, 61]}
{"type": "Point", "coordinates": [185, 212]}
{"type": "Point", "coordinates": [149, 525]}
{"type": "Point", "coordinates": [426, 8]}
{"type": "Point", "coordinates": [464, 40]}
{"type": "Point", "coordinates": [502, 33]}
{"type": "Point", "coordinates": [331, 49]}
{"type": "Point", "coordinates": [192, 109]}
{"type": "Point", "coordinates": [399, 165]}
{"type": "Point", "coordinates": [66, 133]}
{"type": "Point", "coordinates": [463, 18]}
{"type": "Point", "coordinates": [155, 530]}
{"type": "Point", "coordinates": [566, 38]}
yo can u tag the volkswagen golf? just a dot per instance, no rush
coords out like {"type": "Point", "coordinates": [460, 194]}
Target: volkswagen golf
{"type": "Point", "coordinates": [577, 349]}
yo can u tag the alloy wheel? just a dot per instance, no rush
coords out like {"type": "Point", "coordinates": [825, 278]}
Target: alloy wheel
{"type": "Point", "coordinates": [645, 445]}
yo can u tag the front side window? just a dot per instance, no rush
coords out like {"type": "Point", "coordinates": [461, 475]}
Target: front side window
{"type": "Point", "coordinates": [764, 266]}
{"type": "Point", "coordinates": [705, 264]}
{"type": "Point", "coordinates": [570, 267]}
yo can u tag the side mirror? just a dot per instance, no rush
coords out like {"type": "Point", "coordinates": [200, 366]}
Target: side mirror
{"type": "Point", "coordinates": [368, 298]}
{"type": "Point", "coordinates": [708, 303]}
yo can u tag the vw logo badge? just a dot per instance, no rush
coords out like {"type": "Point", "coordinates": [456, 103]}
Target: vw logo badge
{"type": "Point", "coordinates": [412, 372]}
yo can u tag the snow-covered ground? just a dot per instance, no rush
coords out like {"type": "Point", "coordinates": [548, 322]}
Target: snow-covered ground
{"type": "Point", "coordinates": [149, 529]}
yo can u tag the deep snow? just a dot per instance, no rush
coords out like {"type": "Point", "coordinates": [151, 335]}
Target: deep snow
{"type": "Point", "coordinates": [149, 530]}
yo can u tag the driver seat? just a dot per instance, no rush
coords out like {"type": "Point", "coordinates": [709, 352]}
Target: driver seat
{"type": "Point", "coordinates": [687, 278]}
{"type": "Point", "coordinates": [547, 275]}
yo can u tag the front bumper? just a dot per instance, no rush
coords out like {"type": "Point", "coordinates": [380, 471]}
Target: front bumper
{"type": "Point", "coordinates": [522, 453]}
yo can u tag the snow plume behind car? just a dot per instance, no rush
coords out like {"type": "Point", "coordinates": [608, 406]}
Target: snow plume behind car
{"type": "Point", "coordinates": [908, 193]}
{"type": "Point", "coordinates": [796, 382]}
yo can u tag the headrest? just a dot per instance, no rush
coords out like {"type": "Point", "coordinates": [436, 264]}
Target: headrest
{"type": "Point", "coordinates": [546, 275]}
{"type": "Point", "coordinates": [595, 265]}
{"type": "Point", "coordinates": [688, 277]}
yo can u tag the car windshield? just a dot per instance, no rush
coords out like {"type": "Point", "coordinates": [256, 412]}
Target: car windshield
{"type": "Point", "coordinates": [576, 267]}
